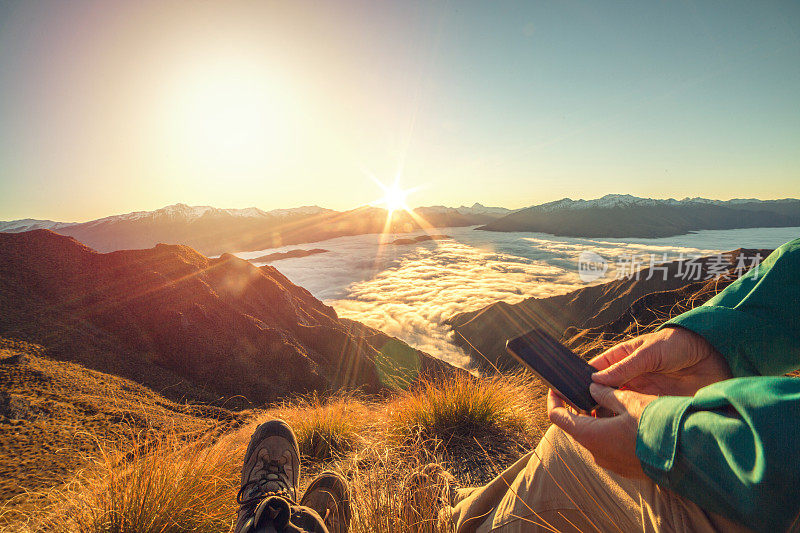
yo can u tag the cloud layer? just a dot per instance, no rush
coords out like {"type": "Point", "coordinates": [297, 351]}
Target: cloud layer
{"type": "Point", "coordinates": [409, 290]}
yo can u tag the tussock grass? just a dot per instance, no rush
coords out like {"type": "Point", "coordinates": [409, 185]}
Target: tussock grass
{"type": "Point", "coordinates": [463, 408]}
{"type": "Point", "coordinates": [470, 425]}
{"type": "Point", "coordinates": [326, 429]}
{"type": "Point", "coordinates": [159, 486]}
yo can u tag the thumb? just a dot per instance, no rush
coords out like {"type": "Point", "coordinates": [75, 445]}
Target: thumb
{"type": "Point", "coordinates": [625, 370]}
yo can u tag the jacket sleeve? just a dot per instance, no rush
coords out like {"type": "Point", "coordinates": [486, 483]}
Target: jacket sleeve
{"type": "Point", "coordinates": [755, 322]}
{"type": "Point", "coordinates": [733, 449]}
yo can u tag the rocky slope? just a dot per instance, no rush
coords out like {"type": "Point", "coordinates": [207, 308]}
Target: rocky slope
{"type": "Point", "coordinates": [581, 315]}
{"type": "Point", "coordinates": [628, 216]}
{"type": "Point", "coordinates": [209, 330]}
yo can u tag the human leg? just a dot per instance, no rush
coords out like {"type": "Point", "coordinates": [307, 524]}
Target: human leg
{"type": "Point", "coordinates": [558, 487]}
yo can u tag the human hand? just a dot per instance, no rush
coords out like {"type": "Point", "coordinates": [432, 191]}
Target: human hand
{"type": "Point", "coordinates": [611, 440]}
{"type": "Point", "coordinates": [670, 362]}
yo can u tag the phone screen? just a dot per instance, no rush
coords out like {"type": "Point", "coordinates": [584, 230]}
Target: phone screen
{"type": "Point", "coordinates": [557, 365]}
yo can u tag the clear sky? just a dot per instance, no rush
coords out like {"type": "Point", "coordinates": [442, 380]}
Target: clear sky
{"type": "Point", "coordinates": [110, 106]}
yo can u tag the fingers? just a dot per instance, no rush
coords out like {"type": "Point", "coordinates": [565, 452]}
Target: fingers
{"type": "Point", "coordinates": [615, 353]}
{"type": "Point", "coordinates": [554, 400]}
{"type": "Point", "coordinates": [575, 425]}
{"type": "Point", "coordinates": [557, 410]}
{"type": "Point", "coordinates": [611, 441]}
{"type": "Point", "coordinates": [624, 370]}
{"type": "Point", "coordinates": [580, 427]}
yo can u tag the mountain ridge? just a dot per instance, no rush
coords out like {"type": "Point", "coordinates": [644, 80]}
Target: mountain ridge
{"type": "Point", "coordinates": [626, 200]}
{"type": "Point", "coordinates": [214, 231]}
{"type": "Point", "coordinates": [608, 200]}
{"type": "Point", "coordinates": [198, 328]}
{"type": "Point", "coordinates": [626, 216]}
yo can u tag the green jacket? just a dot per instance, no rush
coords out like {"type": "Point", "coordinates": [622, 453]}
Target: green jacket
{"type": "Point", "coordinates": [734, 448]}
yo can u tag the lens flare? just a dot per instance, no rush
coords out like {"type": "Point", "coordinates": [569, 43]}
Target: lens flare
{"type": "Point", "coordinates": [394, 197]}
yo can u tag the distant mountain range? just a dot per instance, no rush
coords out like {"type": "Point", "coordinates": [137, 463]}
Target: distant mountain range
{"type": "Point", "coordinates": [610, 201]}
{"type": "Point", "coordinates": [214, 231]}
{"type": "Point", "coordinates": [188, 326]}
{"type": "Point", "coordinates": [623, 215]}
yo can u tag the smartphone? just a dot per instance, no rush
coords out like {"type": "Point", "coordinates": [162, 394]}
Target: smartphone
{"type": "Point", "coordinates": [558, 366]}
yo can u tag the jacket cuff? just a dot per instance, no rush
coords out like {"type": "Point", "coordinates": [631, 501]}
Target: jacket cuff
{"type": "Point", "coordinates": [725, 328]}
{"type": "Point", "coordinates": [657, 435]}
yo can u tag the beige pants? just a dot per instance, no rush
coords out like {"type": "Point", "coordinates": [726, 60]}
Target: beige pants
{"type": "Point", "coordinates": [558, 487]}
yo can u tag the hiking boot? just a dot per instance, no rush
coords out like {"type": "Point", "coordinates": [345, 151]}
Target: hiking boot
{"type": "Point", "coordinates": [271, 468]}
{"type": "Point", "coordinates": [329, 497]}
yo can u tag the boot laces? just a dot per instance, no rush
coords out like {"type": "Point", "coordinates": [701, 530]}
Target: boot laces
{"type": "Point", "coordinates": [255, 490]}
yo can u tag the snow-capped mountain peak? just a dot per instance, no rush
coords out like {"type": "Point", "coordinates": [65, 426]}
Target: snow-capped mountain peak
{"type": "Point", "coordinates": [177, 212]}
{"type": "Point", "coordinates": [610, 201]}
{"type": "Point", "coordinates": [29, 224]}
{"type": "Point", "coordinates": [193, 212]}
{"type": "Point", "coordinates": [480, 209]}
{"type": "Point", "coordinates": [607, 201]}
{"type": "Point", "coordinates": [182, 212]}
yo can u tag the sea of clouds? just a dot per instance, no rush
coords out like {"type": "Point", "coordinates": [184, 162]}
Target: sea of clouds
{"type": "Point", "coordinates": [409, 290]}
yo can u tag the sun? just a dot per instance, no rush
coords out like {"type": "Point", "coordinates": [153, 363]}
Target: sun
{"type": "Point", "coordinates": [395, 198]}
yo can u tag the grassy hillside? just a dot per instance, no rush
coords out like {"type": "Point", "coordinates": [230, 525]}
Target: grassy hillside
{"type": "Point", "coordinates": [55, 417]}
{"type": "Point", "coordinates": [151, 475]}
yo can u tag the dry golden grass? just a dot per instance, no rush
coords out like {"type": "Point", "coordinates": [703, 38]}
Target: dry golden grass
{"type": "Point", "coordinates": [60, 408]}
{"type": "Point", "coordinates": [464, 407]}
{"type": "Point", "coordinates": [163, 486]}
{"type": "Point", "coordinates": [170, 485]}
{"type": "Point", "coordinates": [325, 429]}
{"type": "Point", "coordinates": [470, 424]}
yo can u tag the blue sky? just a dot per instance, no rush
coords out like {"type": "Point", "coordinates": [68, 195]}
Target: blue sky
{"type": "Point", "coordinates": [111, 107]}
